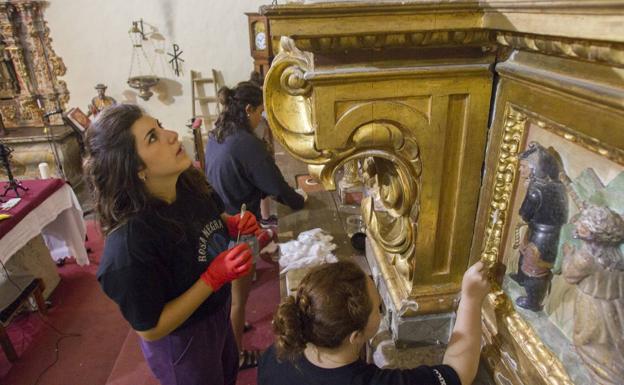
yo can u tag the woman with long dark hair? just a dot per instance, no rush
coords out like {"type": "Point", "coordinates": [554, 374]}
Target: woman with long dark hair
{"type": "Point", "coordinates": [165, 261]}
{"type": "Point", "coordinates": [240, 169]}
{"type": "Point", "coordinates": [321, 331]}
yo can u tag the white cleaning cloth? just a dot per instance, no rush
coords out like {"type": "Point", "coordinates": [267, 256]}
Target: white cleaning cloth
{"type": "Point", "coordinates": [10, 203]}
{"type": "Point", "coordinates": [311, 248]}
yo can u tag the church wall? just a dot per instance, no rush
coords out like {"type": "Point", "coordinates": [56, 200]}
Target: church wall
{"type": "Point", "coordinates": [92, 38]}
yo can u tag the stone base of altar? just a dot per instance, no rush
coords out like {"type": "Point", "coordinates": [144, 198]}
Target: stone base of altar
{"type": "Point", "coordinates": [383, 352]}
{"type": "Point", "coordinates": [409, 331]}
{"type": "Point", "coordinates": [31, 146]}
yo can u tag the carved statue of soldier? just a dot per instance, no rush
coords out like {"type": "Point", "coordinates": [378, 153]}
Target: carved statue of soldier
{"type": "Point", "coordinates": [545, 210]}
{"type": "Point", "coordinates": [100, 102]}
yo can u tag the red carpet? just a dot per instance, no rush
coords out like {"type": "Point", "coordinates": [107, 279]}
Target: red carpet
{"type": "Point", "coordinates": [78, 306]}
{"type": "Point", "coordinates": [107, 351]}
{"type": "Point", "coordinates": [261, 305]}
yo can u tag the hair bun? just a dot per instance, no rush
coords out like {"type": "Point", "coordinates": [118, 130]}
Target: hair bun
{"type": "Point", "coordinates": [288, 327]}
{"type": "Point", "coordinates": [225, 95]}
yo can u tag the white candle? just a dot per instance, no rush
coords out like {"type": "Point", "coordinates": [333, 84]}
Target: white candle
{"type": "Point", "coordinates": [44, 170]}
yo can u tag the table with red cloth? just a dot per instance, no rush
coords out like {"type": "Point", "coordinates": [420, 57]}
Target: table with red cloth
{"type": "Point", "coordinates": [49, 208]}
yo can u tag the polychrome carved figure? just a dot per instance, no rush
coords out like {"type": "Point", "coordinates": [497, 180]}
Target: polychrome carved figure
{"type": "Point", "coordinates": [597, 270]}
{"type": "Point", "coordinates": [545, 210]}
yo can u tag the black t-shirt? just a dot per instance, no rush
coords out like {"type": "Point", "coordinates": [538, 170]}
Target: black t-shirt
{"type": "Point", "coordinates": [157, 256]}
{"type": "Point", "coordinates": [302, 372]}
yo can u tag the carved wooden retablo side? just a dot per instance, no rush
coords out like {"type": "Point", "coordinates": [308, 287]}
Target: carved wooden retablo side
{"type": "Point", "coordinates": [412, 106]}
{"type": "Point", "coordinates": [438, 100]}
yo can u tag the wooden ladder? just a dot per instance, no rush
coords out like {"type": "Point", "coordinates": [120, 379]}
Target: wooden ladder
{"type": "Point", "coordinates": [205, 107]}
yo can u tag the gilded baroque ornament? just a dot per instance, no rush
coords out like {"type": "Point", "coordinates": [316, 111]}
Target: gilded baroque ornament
{"type": "Point", "coordinates": [601, 52]}
{"type": "Point", "coordinates": [585, 141]}
{"type": "Point", "coordinates": [9, 113]}
{"type": "Point", "coordinates": [558, 68]}
{"type": "Point", "coordinates": [30, 112]}
{"type": "Point", "coordinates": [394, 150]}
{"type": "Point", "coordinates": [398, 40]}
{"type": "Point", "coordinates": [27, 39]}
{"type": "Point", "coordinates": [515, 125]}
{"type": "Point", "coordinates": [288, 105]}
{"type": "Point", "coordinates": [525, 340]}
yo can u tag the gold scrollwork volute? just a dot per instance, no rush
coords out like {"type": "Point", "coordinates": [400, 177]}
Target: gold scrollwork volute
{"type": "Point", "coordinates": [396, 171]}
{"type": "Point", "coordinates": [396, 168]}
{"type": "Point", "coordinates": [287, 101]}
{"type": "Point", "coordinates": [382, 137]}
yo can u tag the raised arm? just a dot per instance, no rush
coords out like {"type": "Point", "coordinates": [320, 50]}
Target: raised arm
{"type": "Point", "coordinates": [462, 353]}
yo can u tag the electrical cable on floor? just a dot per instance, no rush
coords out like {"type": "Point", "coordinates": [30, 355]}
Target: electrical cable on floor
{"type": "Point", "coordinates": [56, 354]}
{"type": "Point", "coordinates": [61, 334]}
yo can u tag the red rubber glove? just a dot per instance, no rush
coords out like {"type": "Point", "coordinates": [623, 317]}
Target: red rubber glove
{"type": "Point", "coordinates": [265, 236]}
{"type": "Point", "coordinates": [246, 225]}
{"type": "Point", "coordinates": [228, 266]}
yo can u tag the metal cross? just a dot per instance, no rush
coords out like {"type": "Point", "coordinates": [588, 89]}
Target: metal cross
{"type": "Point", "coordinates": [175, 59]}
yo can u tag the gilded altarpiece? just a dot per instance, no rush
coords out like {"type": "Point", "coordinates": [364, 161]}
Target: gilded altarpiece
{"type": "Point", "coordinates": [417, 119]}
{"type": "Point", "coordinates": [31, 65]}
{"type": "Point", "coordinates": [30, 86]}
{"type": "Point", "coordinates": [408, 87]}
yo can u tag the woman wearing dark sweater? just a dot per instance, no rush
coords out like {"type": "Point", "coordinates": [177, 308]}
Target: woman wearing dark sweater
{"type": "Point", "coordinates": [321, 330]}
{"type": "Point", "coordinates": [241, 171]}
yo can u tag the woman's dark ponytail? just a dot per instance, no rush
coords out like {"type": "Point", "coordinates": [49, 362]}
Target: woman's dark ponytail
{"type": "Point", "coordinates": [233, 115]}
{"type": "Point", "coordinates": [225, 96]}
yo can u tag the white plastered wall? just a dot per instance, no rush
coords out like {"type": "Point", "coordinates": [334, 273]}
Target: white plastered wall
{"type": "Point", "coordinates": [92, 39]}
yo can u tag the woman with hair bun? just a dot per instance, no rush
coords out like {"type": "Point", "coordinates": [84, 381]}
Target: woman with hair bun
{"type": "Point", "coordinates": [241, 171]}
{"type": "Point", "coordinates": [321, 331]}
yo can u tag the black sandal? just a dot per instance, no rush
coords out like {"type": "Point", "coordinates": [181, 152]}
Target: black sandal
{"type": "Point", "coordinates": [248, 359]}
